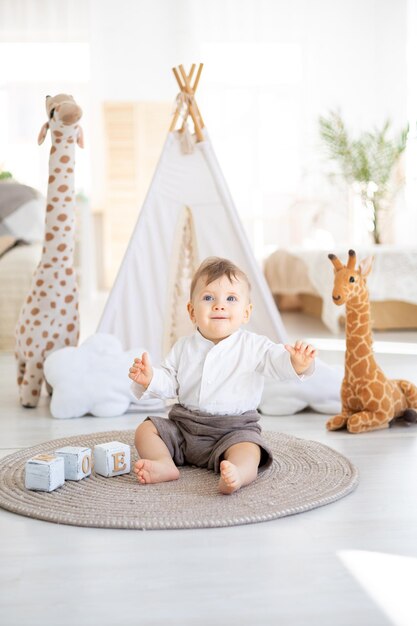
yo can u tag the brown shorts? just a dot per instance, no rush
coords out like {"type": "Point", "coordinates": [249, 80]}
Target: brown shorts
{"type": "Point", "coordinates": [197, 438]}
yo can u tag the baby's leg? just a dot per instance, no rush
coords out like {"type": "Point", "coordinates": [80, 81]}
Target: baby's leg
{"type": "Point", "coordinates": [156, 464]}
{"type": "Point", "coordinates": [239, 467]}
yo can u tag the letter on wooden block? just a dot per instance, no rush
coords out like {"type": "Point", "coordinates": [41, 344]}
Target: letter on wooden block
{"type": "Point", "coordinates": [45, 472]}
{"type": "Point", "coordinates": [112, 458]}
{"type": "Point", "coordinates": [77, 461]}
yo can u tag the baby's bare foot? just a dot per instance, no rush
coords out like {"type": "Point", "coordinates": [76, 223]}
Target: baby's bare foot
{"type": "Point", "coordinates": [155, 471]}
{"type": "Point", "coordinates": [230, 479]}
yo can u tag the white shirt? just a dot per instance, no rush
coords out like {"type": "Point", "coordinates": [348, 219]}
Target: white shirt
{"type": "Point", "coordinates": [224, 378]}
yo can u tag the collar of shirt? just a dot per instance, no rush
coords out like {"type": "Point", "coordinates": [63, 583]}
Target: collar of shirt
{"type": "Point", "coordinates": [226, 342]}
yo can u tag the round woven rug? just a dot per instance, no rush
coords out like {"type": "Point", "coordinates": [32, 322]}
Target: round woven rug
{"type": "Point", "coordinates": [304, 475]}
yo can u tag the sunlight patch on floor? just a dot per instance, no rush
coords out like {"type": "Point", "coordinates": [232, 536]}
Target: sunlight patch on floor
{"type": "Point", "coordinates": [389, 579]}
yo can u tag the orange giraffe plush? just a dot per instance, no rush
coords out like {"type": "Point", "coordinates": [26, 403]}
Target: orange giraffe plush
{"type": "Point", "coordinates": [49, 318]}
{"type": "Point", "coordinates": [370, 400]}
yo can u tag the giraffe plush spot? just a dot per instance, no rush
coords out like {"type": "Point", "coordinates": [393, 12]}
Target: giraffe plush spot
{"type": "Point", "coordinates": [70, 327]}
{"type": "Point", "coordinates": [55, 199]}
{"type": "Point", "coordinates": [69, 298]}
{"type": "Point", "coordinates": [63, 188]}
{"type": "Point", "coordinates": [49, 236]}
{"type": "Point", "coordinates": [57, 170]}
{"type": "Point", "coordinates": [29, 340]}
{"type": "Point", "coordinates": [64, 159]}
{"type": "Point", "coordinates": [69, 271]}
{"type": "Point", "coordinates": [49, 207]}
{"type": "Point", "coordinates": [49, 345]}
{"type": "Point", "coordinates": [37, 323]}
{"type": "Point", "coordinates": [45, 334]}
{"type": "Point", "coordinates": [70, 170]}
{"type": "Point", "coordinates": [58, 133]}
{"type": "Point", "coordinates": [35, 311]}
{"type": "Point", "coordinates": [62, 217]}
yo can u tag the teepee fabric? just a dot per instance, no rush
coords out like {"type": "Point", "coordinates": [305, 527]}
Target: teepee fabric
{"type": "Point", "coordinates": [187, 216]}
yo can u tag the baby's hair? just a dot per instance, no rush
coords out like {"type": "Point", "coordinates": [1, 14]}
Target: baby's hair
{"type": "Point", "coordinates": [215, 267]}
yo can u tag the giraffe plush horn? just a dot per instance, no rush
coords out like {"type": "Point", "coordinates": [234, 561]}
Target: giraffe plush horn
{"type": "Point", "coordinates": [351, 260]}
{"type": "Point", "coordinates": [338, 265]}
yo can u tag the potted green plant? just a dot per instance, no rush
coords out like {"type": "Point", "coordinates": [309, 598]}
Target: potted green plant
{"type": "Point", "coordinates": [367, 162]}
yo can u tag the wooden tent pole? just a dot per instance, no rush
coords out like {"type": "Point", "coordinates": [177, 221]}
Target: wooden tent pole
{"type": "Point", "coordinates": [184, 83]}
{"type": "Point", "coordinates": [193, 112]}
{"type": "Point", "coordinates": [194, 88]}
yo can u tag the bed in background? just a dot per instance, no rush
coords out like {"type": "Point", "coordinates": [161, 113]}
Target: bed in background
{"type": "Point", "coordinates": [22, 214]}
{"type": "Point", "coordinates": [303, 280]}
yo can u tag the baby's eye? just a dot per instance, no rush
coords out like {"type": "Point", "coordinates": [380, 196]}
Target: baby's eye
{"type": "Point", "coordinates": [231, 299]}
{"type": "Point", "coordinates": [207, 298]}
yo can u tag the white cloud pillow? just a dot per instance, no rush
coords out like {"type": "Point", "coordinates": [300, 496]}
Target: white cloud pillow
{"type": "Point", "coordinates": [93, 379]}
{"type": "Point", "coordinates": [321, 392]}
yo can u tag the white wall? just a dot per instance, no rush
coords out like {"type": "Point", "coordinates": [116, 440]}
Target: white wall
{"type": "Point", "coordinates": [352, 56]}
{"type": "Point", "coordinates": [282, 63]}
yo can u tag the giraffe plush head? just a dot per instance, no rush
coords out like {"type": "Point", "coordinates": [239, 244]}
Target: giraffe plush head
{"type": "Point", "coordinates": [350, 282]}
{"type": "Point", "coordinates": [61, 109]}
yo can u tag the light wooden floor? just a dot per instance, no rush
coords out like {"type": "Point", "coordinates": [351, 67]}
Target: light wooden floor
{"type": "Point", "coordinates": [350, 563]}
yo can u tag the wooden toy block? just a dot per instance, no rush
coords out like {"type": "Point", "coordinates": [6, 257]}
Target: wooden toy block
{"type": "Point", "coordinates": [77, 462]}
{"type": "Point", "coordinates": [112, 458]}
{"type": "Point", "coordinates": [45, 472]}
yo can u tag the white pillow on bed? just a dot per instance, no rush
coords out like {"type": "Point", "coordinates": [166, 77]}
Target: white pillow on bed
{"type": "Point", "coordinates": [93, 379]}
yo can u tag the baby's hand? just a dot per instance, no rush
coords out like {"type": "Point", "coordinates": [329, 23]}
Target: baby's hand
{"type": "Point", "coordinates": [141, 371]}
{"type": "Point", "coordinates": [302, 355]}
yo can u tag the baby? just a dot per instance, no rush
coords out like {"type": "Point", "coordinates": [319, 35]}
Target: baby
{"type": "Point", "coordinates": [217, 375]}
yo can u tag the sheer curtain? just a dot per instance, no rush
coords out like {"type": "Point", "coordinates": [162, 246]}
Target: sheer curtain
{"type": "Point", "coordinates": [44, 47]}
{"type": "Point", "coordinates": [44, 20]}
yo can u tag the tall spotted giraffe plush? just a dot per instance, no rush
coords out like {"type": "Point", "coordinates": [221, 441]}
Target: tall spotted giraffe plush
{"type": "Point", "coordinates": [370, 401]}
{"type": "Point", "coordinates": [49, 316]}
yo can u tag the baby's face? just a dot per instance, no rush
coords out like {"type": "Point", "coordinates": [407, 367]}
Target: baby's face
{"type": "Point", "coordinates": [220, 308]}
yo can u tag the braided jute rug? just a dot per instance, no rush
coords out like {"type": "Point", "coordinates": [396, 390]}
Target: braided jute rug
{"type": "Point", "coordinates": [304, 475]}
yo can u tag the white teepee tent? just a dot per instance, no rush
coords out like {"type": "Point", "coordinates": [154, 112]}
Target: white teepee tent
{"type": "Point", "coordinates": [188, 215]}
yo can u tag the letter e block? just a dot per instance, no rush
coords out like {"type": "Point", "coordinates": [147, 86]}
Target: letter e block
{"type": "Point", "coordinates": [112, 458]}
{"type": "Point", "coordinates": [77, 462]}
{"type": "Point", "coordinates": [44, 472]}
